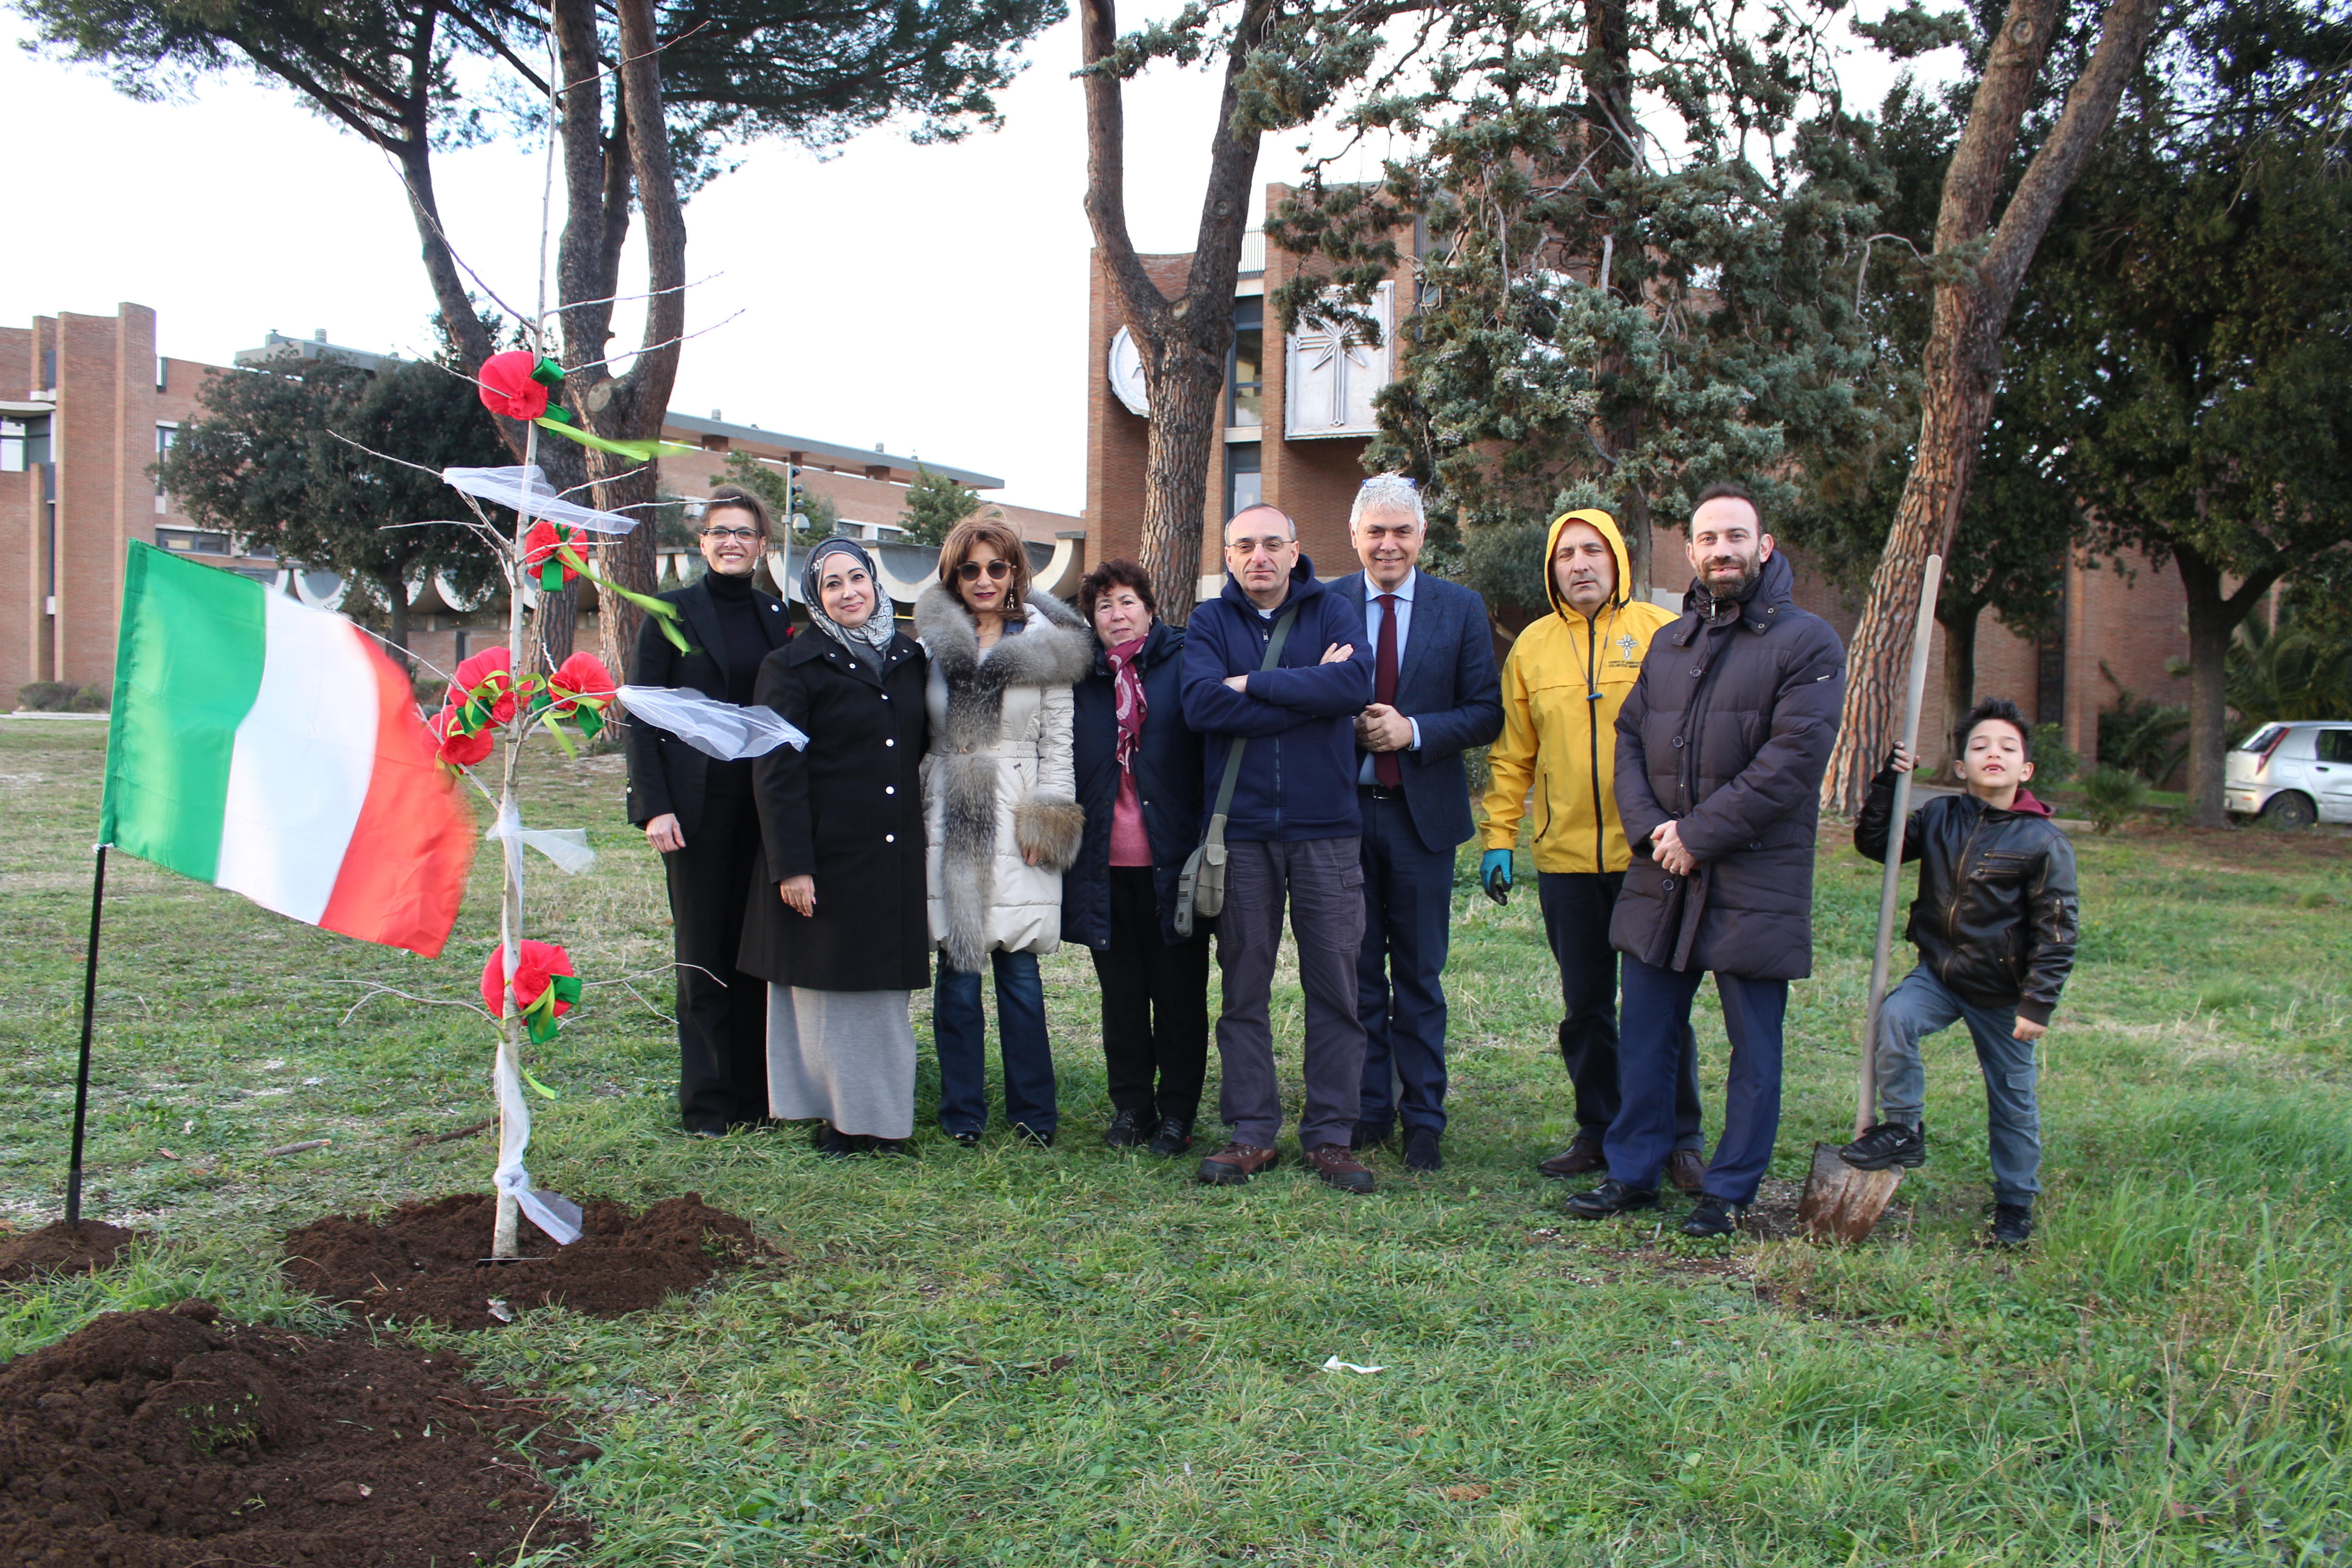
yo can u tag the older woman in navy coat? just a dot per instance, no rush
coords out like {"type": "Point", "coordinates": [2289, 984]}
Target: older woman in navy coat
{"type": "Point", "coordinates": [1138, 768]}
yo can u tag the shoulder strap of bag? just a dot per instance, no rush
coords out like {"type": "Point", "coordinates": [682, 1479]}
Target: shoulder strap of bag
{"type": "Point", "coordinates": [1234, 757]}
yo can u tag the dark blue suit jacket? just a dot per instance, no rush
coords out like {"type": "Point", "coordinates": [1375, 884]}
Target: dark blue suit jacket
{"type": "Point", "coordinates": [1446, 680]}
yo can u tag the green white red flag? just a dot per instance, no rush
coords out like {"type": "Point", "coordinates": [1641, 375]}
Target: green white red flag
{"type": "Point", "coordinates": [271, 749]}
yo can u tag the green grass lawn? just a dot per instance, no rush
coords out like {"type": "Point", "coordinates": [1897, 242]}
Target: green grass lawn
{"type": "Point", "coordinates": [1080, 1357]}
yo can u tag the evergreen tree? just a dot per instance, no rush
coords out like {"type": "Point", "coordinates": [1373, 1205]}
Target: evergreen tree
{"type": "Point", "coordinates": [935, 504]}
{"type": "Point", "coordinates": [264, 461]}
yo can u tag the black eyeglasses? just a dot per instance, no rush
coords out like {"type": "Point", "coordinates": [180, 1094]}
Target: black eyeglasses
{"type": "Point", "coordinates": [997, 570]}
{"type": "Point", "coordinates": [745, 534]}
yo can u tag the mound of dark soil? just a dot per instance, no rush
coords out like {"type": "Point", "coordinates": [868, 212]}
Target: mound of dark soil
{"type": "Point", "coordinates": [424, 1260]}
{"type": "Point", "coordinates": [54, 1249]}
{"type": "Point", "coordinates": [163, 1440]}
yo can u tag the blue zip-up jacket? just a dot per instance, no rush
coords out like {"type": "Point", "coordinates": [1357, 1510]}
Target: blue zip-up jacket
{"type": "Point", "coordinates": [1298, 776]}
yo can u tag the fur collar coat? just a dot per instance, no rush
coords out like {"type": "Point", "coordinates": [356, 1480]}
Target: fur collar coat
{"type": "Point", "coordinates": [997, 779]}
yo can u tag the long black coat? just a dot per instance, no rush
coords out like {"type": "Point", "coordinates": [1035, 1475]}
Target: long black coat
{"type": "Point", "coordinates": [1167, 785]}
{"type": "Point", "coordinates": [1726, 734]}
{"type": "Point", "coordinates": [666, 774]}
{"type": "Point", "coordinates": [848, 811]}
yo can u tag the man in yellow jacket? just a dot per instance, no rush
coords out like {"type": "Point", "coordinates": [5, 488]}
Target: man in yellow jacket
{"type": "Point", "coordinates": [1566, 677]}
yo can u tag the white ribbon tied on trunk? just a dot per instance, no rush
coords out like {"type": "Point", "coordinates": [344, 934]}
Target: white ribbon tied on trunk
{"type": "Point", "coordinates": [551, 1212]}
{"type": "Point", "coordinates": [716, 729]}
{"type": "Point", "coordinates": [567, 847]}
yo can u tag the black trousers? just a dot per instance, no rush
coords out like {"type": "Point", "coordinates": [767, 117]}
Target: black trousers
{"type": "Point", "coordinates": [1155, 1005]}
{"type": "Point", "coordinates": [722, 1014]}
{"type": "Point", "coordinates": [1576, 910]}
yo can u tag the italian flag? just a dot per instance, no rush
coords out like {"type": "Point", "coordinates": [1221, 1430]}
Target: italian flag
{"type": "Point", "coordinates": [269, 749]}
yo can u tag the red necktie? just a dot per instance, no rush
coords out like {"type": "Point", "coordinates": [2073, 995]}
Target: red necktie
{"type": "Point", "coordinates": [1386, 768]}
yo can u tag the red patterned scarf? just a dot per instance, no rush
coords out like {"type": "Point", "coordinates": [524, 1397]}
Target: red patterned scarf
{"type": "Point", "coordinates": [1127, 686]}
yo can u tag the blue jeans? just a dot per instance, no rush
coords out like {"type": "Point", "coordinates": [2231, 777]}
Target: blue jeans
{"type": "Point", "coordinates": [1655, 1018]}
{"type": "Point", "coordinates": [1919, 1006]}
{"type": "Point", "coordinates": [960, 1034]}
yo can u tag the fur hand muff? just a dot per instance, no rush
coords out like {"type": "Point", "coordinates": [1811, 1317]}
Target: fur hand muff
{"type": "Point", "coordinates": [1050, 827]}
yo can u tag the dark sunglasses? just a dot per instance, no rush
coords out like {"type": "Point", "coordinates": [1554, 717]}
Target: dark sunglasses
{"type": "Point", "coordinates": [997, 570]}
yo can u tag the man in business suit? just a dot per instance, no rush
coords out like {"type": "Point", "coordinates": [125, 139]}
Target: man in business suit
{"type": "Point", "coordinates": [700, 813]}
{"type": "Point", "coordinates": [1434, 693]}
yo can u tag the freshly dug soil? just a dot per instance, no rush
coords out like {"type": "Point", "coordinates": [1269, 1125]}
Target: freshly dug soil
{"type": "Point", "coordinates": [54, 1249]}
{"type": "Point", "coordinates": [424, 1260]}
{"type": "Point", "coordinates": [166, 1440]}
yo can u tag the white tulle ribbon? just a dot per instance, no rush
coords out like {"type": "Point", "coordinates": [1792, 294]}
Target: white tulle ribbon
{"type": "Point", "coordinates": [551, 1212]}
{"type": "Point", "coordinates": [567, 847]}
{"type": "Point", "coordinates": [716, 729]}
{"type": "Point", "coordinates": [510, 487]}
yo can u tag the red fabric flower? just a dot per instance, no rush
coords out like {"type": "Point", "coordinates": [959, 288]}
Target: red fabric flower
{"type": "Point", "coordinates": [539, 547]}
{"type": "Point", "coordinates": [456, 747]}
{"type": "Point", "coordinates": [486, 681]}
{"type": "Point", "coordinates": [535, 970]}
{"type": "Point", "coordinates": [582, 675]}
{"type": "Point", "coordinates": [508, 388]}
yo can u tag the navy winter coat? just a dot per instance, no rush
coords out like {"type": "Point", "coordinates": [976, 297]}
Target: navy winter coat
{"type": "Point", "coordinates": [1298, 776]}
{"type": "Point", "coordinates": [1167, 785]}
{"type": "Point", "coordinates": [1726, 734]}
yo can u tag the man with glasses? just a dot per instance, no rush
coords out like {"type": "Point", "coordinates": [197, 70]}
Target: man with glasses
{"type": "Point", "coordinates": [698, 812]}
{"type": "Point", "coordinates": [1291, 835]}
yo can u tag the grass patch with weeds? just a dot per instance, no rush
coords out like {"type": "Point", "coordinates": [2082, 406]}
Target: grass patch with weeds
{"type": "Point", "coordinates": [1072, 1357]}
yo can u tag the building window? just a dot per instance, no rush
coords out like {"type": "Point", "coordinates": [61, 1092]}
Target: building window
{"type": "Point", "coordinates": [1245, 365]}
{"type": "Point", "coordinates": [1253, 257]}
{"type": "Point", "coordinates": [160, 362]}
{"type": "Point", "coordinates": [24, 442]}
{"type": "Point", "coordinates": [193, 541]}
{"type": "Point", "coordinates": [48, 370]}
{"type": "Point", "coordinates": [164, 436]}
{"type": "Point", "coordinates": [1244, 486]}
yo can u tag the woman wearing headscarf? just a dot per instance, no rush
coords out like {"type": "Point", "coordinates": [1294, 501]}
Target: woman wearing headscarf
{"type": "Point", "coordinates": [1139, 780]}
{"type": "Point", "coordinates": [999, 815]}
{"type": "Point", "coordinates": [698, 812]}
{"type": "Point", "coordinates": [836, 924]}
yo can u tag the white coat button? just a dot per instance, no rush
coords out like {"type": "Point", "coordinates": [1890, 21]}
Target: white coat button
{"type": "Point", "coordinates": [889, 838]}
{"type": "Point", "coordinates": [890, 789]}
{"type": "Point", "coordinates": [890, 742]}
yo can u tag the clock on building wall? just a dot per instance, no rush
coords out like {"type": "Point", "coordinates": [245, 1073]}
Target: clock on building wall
{"type": "Point", "coordinates": [1330, 373]}
{"type": "Point", "coordinates": [1126, 375]}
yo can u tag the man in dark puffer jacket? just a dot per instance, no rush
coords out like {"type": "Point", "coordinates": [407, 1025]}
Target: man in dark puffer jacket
{"type": "Point", "coordinates": [1720, 751]}
{"type": "Point", "coordinates": [1995, 923]}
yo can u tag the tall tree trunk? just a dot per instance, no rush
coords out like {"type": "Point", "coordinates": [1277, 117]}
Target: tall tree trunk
{"type": "Point", "coordinates": [1961, 365]}
{"type": "Point", "coordinates": [395, 598]}
{"type": "Point", "coordinates": [1183, 342]}
{"type": "Point", "coordinates": [2214, 617]}
{"type": "Point", "coordinates": [1958, 617]}
{"type": "Point", "coordinates": [1615, 143]}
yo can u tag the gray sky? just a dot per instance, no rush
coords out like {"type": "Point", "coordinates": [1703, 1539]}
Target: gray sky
{"type": "Point", "coordinates": [931, 299]}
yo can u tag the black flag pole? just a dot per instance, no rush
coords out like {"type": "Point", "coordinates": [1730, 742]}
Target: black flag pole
{"type": "Point", "coordinates": [81, 1074]}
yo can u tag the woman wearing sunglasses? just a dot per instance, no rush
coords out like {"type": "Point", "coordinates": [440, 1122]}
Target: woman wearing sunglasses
{"type": "Point", "coordinates": [699, 813]}
{"type": "Point", "coordinates": [1000, 816]}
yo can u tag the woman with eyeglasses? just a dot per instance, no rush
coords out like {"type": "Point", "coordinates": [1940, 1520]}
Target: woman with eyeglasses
{"type": "Point", "coordinates": [699, 813]}
{"type": "Point", "coordinates": [999, 816]}
{"type": "Point", "coordinates": [837, 924]}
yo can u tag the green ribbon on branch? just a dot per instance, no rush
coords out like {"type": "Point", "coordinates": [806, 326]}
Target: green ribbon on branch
{"type": "Point", "coordinates": [664, 613]}
{"type": "Point", "coordinates": [538, 1018]}
{"type": "Point", "coordinates": [559, 420]}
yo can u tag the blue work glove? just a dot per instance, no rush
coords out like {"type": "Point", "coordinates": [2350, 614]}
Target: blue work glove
{"type": "Point", "coordinates": [1495, 874]}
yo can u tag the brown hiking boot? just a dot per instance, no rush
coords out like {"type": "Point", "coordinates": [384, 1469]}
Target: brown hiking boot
{"type": "Point", "coordinates": [1582, 1155]}
{"type": "Point", "coordinates": [1336, 1164]}
{"type": "Point", "coordinates": [1235, 1164]}
{"type": "Point", "coordinates": [1687, 1169]}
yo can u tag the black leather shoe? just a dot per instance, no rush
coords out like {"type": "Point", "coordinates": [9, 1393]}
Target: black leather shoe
{"type": "Point", "coordinates": [1583, 1154]}
{"type": "Point", "coordinates": [1031, 1135]}
{"type": "Point", "coordinates": [1126, 1131]}
{"type": "Point", "coordinates": [1174, 1136]}
{"type": "Point", "coordinates": [835, 1144]}
{"type": "Point", "coordinates": [2012, 1224]}
{"type": "Point", "coordinates": [1888, 1144]}
{"type": "Point", "coordinates": [1713, 1216]}
{"type": "Point", "coordinates": [966, 1140]}
{"type": "Point", "coordinates": [1421, 1150]}
{"type": "Point", "coordinates": [1366, 1135]}
{"type": "Point", "coordinates": [887, 1147]}
{"type": "Point", "coordinates": [1610, 1198]}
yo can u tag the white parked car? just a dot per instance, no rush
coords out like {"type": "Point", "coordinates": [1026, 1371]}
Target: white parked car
{"type": "Point", "coordinates": [2292, 775]}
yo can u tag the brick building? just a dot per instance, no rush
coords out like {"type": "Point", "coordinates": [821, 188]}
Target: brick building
{"type": "Point", "coordinates": [87, 407]}
{"type": "Point", "coordinates": [1305, 454]}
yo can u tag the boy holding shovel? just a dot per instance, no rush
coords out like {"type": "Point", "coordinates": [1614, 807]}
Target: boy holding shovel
{"type": "Point", "coordinates": [1995, 924]}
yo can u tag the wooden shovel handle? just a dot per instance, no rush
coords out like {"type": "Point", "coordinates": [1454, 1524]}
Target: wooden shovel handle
{"type": "Point", "coordinates": [1866, 1095]}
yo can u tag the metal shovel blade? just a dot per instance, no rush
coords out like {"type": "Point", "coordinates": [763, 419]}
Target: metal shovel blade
{"type": "Point", "coordinates": [1840, 1203]}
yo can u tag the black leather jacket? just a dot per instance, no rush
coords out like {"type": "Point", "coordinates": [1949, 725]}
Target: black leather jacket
{"type": "Point", "coordinates": [1995, 919]}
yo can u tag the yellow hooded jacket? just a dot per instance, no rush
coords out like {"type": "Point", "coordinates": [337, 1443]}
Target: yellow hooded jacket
{"type": "Point", "coordinates": [1562, 685]}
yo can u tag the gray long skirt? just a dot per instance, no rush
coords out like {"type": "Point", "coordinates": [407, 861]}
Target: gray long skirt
{"type": "Point", "coordinates": [843, 1057]}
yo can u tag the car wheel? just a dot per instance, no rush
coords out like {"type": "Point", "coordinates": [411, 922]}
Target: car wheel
{"type": "Point", "coordinates": [2290, 809]}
